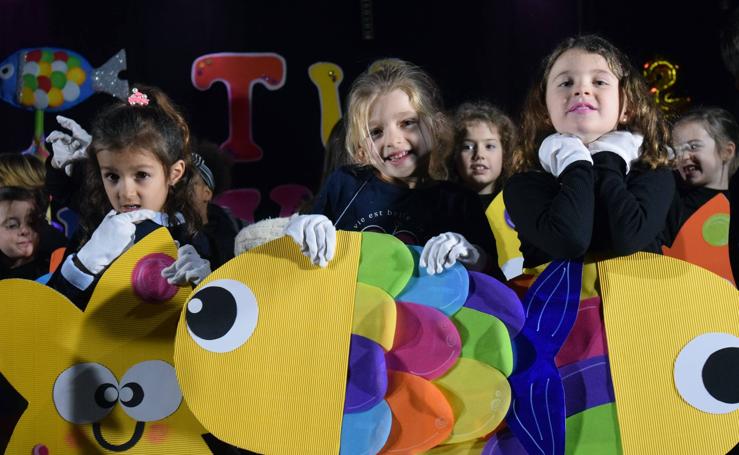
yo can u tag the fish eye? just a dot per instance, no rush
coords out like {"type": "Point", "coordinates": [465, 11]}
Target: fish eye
{"type": "Point", "coordinates": [85, 393]}
{"type": "Point", "coordinates": [707, 373]}
{"type": "Point", "coordinates": [7, 71]}
{"type": "Point", "coordinates": [149, 391]}
{"type": "Point", "coordinates": [222, 315]}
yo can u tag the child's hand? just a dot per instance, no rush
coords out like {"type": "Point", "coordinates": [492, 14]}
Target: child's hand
{"type": "Point", "coordinates": [316, 236]}
{"type": "Point", "coordinates": [623, 143]}
{"type": "Point", "coordinates": [68, 148]}
{"type": "Point", "coordinates": [188, 268]}
{"type": "Point", "coordinates": [442, 251]}
{"type": "Point", "coordinates": [114, 236]}
{"type": "Point", "coordinates": [558, 151]}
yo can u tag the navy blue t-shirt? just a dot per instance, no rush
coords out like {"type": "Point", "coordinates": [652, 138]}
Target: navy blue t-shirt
{"type": "Point", "coordinates": [356, 200]}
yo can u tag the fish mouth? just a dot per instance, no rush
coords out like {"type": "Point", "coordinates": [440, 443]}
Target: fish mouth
{"type": "Point", "coordinates": [137, 433]}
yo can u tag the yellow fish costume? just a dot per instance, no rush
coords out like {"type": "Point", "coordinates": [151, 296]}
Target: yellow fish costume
{"type": "Point", "coordinates": [100, 380]}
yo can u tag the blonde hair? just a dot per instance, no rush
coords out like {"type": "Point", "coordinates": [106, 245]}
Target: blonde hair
{"type": "Point", "coordinates": [382, 77]}
{"type": "Point", "coordinates": [25, 171]}
{"type": "Point", "coordinates": [642, 114]}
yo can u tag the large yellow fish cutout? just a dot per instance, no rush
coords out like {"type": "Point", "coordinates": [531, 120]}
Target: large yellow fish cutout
{"type": "Point", "coordinates": [673, 342]}
{"type": "Point", "coordinates": [304, 329]}
{"type": "Point", "coordinates": [367, 355]}
{"type": "Point", "coordinates": [100, 380]}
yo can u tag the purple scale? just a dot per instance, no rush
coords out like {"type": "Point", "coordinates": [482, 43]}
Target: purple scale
{"type": "Point", "coordinates": [490, 296]}
{"type": "Point", "coordinates": [367, 381]}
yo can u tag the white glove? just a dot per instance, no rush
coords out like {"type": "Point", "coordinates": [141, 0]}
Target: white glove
{"type": "Point", "coordinates": [188, 268]}
{"type": "Point", "coordinates": [442, 251]}
{"type": "Point", "coordinates": [114, 236]}
{"type": "Point", "coordinates": [558, 151]}
{"type": "Point", "coordinates": [315, 235]}
{"type": "Point", "coordinates": [68, 148]}
{"type": "Point", "coordinates": [623, 143]}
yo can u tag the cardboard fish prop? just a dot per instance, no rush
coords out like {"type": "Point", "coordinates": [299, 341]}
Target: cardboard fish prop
{"type": "Point", "coordinates": [50, 79]}
{"type": "Point", "coordinates": [368, 355]}
{"type": "Point", "coordinates": [101, 380]}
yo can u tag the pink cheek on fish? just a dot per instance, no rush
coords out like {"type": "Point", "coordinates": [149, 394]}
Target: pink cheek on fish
{"type": "Point", "coordinates": [147, 281]}
{"type": "Point", "coordinates": [157, 433]}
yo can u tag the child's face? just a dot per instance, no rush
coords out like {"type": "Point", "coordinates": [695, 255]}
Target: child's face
{"type": "Point", "coordinates": [396, 146]}
{"type": "Point", "coordinates": [582, 95]}
{"type": "Point", "coordinates": [700, 161]}
{"type": "Point", "coordinates": [480, 158]}
{"type": "Point", "coordinates": [136, 179]}
{"type": "Point", "coordinates": [18, 230]}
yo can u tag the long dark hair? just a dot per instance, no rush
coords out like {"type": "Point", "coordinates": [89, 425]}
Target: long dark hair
{"type": "Point", "coordinates": [159, 128]}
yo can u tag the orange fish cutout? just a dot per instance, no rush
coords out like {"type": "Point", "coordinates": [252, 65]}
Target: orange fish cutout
{"type": "Point", "coordinates": [704, 238]}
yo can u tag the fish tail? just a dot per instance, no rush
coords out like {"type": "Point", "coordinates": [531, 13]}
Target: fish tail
{"type": "Point", "coordinates": [105, 79]}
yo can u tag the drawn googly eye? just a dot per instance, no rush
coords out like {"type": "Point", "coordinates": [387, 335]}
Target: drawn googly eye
{"type": "Point", "coordinates": [85, 393]}
{"type": "Point", "coordinates": [707, 373]}
{"type": "Point", "coordinates": [149, 391]}
{"type": "Point", "coordinates": [222, 315]}
{"type": "Point", "coordinates": [7, 71]}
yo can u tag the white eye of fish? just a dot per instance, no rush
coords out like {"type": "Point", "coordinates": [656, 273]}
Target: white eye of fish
{"type": "Point", "coordinates": [222, 315]}
{"type": "Point", "coordinates": [149, 391]}
{"type": "Point", "coordinates": [85, 393]}
{"type": "Point", "coordinates": [7, 71]}
{"type": "Point", "coordinates": [706, 373]}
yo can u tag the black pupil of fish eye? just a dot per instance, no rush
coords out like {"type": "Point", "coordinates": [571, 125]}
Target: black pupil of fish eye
{"type": "Point", "coordinates": [721, 375]}
{"type": "Point", "coordinates": [137, 394]}
{"type": "Point", "coordinates": [100, 398]}
{"type": "Point", "coordinates": [216, 315]}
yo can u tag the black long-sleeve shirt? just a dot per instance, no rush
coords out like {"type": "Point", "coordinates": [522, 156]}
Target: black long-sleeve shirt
{"type": "Point", "coordinates": [594, 208]}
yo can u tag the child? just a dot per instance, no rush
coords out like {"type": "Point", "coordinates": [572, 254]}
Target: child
{"type": "Point", "coordinates": [219, 225]}
{"type": "Point", "coordinates": [704, 140]}
{"type": "Point", "coordinates": [484, 137]}
{"type": "Point", "coordinates": [138, 178]}
{"type": "Point", "coordinates": [591, 174]}
{"type": "Point", "coordinates": [21, 222]}
{"type": "Point", "coordinates": [397, 132]}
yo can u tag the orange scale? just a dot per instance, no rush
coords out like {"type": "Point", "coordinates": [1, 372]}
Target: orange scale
{"type": "Point", "coordinates": [422, 416]}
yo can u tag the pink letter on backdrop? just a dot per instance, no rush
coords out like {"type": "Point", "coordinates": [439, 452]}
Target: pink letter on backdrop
{"type": "Point", "coordinates": [242, 202]}
{"type": "Point", "coordinates": [290, 197]}
{"type": "Point", "coordinates": [239, 72]}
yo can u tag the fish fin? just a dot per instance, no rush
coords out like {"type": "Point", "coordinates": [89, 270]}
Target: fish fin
{"type": "Point", "coordinates": [105, 78]}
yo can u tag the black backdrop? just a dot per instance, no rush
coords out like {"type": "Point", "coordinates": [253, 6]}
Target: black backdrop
{"type": "Point", "coordinates": [473, 48]}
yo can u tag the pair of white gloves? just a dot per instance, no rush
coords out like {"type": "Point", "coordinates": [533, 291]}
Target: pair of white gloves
{"type": "Point", "coordinates": [558, 150]}
{"type": "Point", "coordinates": [116, 232]}
{"type": "Point", "coordinates": [316, 237]}
{"type": "Point", "coordinates": [115, 235]}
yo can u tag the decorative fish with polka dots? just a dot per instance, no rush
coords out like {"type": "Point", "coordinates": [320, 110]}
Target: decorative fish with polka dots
{"type": "Point", "coordinates": [52, 79]}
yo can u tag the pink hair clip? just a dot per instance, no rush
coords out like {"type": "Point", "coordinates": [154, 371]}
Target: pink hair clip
{"type": "Point", "coordinates": [138, 98]}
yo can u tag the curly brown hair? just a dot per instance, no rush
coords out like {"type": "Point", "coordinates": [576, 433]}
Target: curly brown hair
{"type": "Point", "coordinates": [482, 111]}
{"type": "Point", "coordinates": [642, 114]}
{"type": "Point", "coordinates": [382, 77]}
{"type": "Point", "coordinates": [159, 128]}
